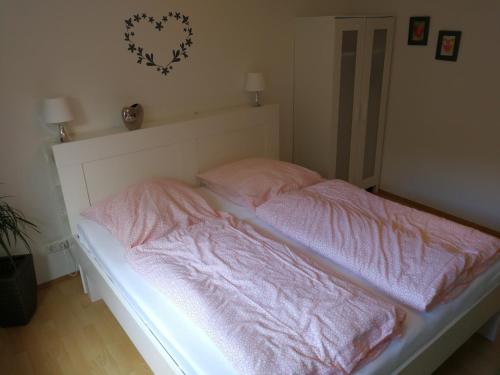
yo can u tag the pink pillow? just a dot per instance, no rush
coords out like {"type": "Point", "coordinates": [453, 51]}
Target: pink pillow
{"type": "Point", "coordinates": [252, 182]}
{"type": "Point", "coordinates": [149, 210]}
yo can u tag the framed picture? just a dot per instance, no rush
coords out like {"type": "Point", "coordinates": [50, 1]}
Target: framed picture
{"type": "Point", "coordinates": [418, 32]}
{"type": "Point", "coordinates": [448, 45]}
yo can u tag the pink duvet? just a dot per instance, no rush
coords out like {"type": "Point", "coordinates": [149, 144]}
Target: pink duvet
{"type": "Point", "coordinates": [268, 309]}
{"type": "Point", "coordinates": [418, 258]}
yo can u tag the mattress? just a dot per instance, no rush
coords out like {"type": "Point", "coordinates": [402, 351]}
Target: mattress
{"type": "Point", "coordinates": [193, 350]}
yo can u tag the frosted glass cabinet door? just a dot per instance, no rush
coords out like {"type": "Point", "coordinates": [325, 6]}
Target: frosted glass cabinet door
{"type": "Point", "coordinates": [378, 45]}
{"type": "Point", "coordinates": [349, 47]}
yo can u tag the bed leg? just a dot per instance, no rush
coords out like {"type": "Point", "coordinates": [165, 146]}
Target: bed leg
{"type": "Point", "coordinates": [88, 287]}
{"type": "Point", "coordinates": [490, 329]}
{"type": "Point", "coordinates": [83, 277]}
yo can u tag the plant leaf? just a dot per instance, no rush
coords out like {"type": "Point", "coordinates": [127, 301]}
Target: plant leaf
{"type": "Point", "coordinates": [13, 228]}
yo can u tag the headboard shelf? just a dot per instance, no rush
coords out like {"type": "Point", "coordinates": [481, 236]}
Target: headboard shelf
{"type": "Point", "coordinates": [94, 168]}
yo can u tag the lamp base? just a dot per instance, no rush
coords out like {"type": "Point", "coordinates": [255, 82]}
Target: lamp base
{"type": "Point", "coordinates": [256, 102]}
{"type": "Point", "coordinates": [63, 134]}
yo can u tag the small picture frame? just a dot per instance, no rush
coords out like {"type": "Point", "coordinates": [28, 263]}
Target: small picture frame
{"type": "Point", "coordinates": [418, 32]}
{"type": "Point", "coordinates": [448, 45]}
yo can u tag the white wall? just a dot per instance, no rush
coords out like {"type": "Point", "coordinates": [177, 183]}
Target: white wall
{"type": "Point", "coordinates": [76, 48]}
{"type": "Point", "coordinates": [442, 145]}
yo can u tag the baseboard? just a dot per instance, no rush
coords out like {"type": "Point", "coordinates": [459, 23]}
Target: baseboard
{"type": "Point", "coordinates": [422, 207]}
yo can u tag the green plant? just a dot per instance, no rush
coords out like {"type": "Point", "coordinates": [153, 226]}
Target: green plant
{"type": "Point", "coordinates": [13, 228]}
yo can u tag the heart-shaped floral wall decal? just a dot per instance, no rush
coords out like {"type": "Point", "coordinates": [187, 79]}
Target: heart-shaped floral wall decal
{"type": "Point", "coordinates": [159, 24]}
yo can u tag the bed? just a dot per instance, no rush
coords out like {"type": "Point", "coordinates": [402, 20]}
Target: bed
{"type": "Point", "coordinates": [95, 168]}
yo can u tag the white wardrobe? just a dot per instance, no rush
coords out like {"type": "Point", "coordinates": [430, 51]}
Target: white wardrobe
{"type": "Point", "coordinates": [341, 77]}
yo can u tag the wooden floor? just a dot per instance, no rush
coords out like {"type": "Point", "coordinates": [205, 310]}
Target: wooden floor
{"type": "Point", "coordinates": [477, 356]}
{"type": "Point", "coordinates": [70, 335]}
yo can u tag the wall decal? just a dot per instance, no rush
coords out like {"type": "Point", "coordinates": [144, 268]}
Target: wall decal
{"type": "Point", "coordinates": [159, 24]}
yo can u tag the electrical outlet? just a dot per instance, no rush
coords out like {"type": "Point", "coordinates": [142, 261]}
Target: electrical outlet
{"type": "Point", "coordinates": [58, 246]}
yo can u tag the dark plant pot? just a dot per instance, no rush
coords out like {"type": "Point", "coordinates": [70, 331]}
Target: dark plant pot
{"type": "Point", "coordinates": [17, 291]}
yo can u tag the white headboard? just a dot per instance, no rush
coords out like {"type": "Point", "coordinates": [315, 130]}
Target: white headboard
{"type": "Point", "coordinates": [92, 169]}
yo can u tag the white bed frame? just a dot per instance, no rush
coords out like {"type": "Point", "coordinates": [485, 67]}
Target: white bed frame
{"type": "Point", "coordinates": [92, 169]}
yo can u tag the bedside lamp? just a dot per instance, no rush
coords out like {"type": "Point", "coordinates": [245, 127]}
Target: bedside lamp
{"type": "Point", "coordinates": [57, 111]}
{"type": "Point", "coordinates": [255, 83]}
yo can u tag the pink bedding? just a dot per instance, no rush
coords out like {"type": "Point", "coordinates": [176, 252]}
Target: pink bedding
{"type": "Point", "coordinates": [269, 309]}
{"type": "Point", "coordinates": [150, 209]}
{"type": "Point", "coordinates": [251, 182]}
{"type": "Point", "coordinates": [417, 258]}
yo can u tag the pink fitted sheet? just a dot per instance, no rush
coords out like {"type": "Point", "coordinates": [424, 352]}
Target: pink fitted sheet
{"type": "Point", "coordinates": [269, 309]}
{"type": "Point", "coordinates": [417, 258]}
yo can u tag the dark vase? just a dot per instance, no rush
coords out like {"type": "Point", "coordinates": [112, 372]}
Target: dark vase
{"type": "Point", "coordinates": [18, 291]}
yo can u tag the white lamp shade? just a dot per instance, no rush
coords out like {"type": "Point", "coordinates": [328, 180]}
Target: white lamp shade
{"type": "Point", "coordinates": [57, 111]}
{"type": "Point", "coordinates": [255, 82]}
